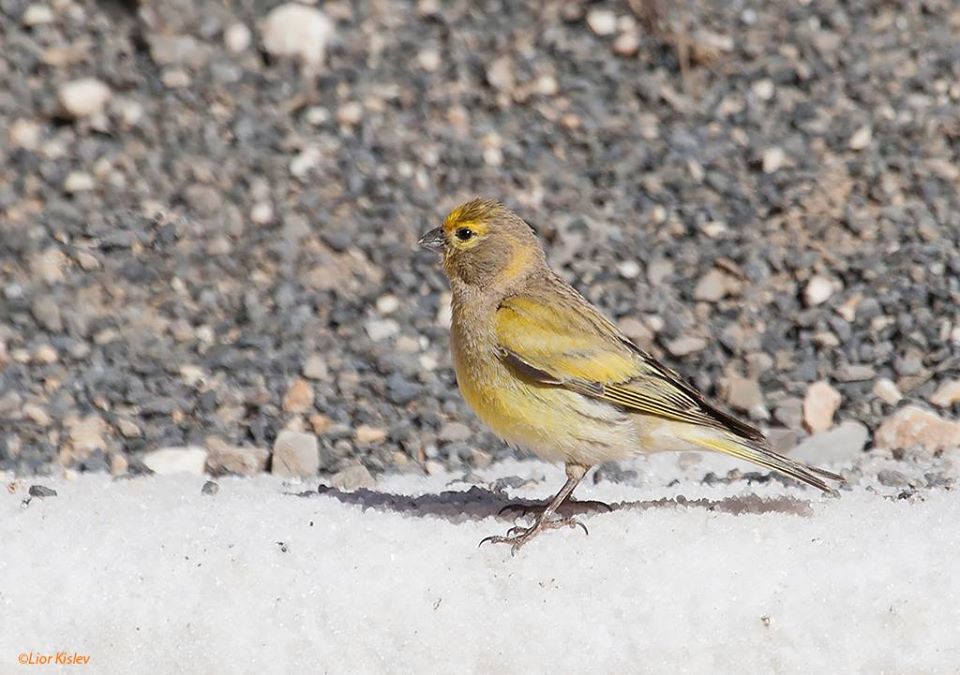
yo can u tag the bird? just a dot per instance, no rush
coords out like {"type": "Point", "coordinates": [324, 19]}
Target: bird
{"type": "Point", "coordinates": [550, 374]}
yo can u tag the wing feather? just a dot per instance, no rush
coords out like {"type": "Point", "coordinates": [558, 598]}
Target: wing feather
{"type": "Point", "coordinates": [565, 342]}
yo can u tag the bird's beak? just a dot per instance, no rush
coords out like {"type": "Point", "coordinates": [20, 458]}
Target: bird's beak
{"type": "Point", "coordinates": [433, 240]}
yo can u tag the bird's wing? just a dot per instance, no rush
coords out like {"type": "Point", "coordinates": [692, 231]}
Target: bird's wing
{"type": "Point", "coordinates": [556, 338]}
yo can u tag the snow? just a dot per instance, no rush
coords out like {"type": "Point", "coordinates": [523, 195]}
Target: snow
{"type": "Point", "coordinates": [148, 575]}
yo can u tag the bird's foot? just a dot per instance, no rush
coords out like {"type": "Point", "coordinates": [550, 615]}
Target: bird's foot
{"type": "Point", "coordinates": [518, 536]}
{"type": "Point", "coordinates": [568, 508]}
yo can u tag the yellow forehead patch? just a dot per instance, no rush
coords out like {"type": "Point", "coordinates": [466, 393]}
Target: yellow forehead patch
{"type": "Point", "coordinates": [474, 214]}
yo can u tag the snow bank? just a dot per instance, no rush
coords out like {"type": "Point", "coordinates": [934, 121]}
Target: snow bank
{"type": "Point", "coordinates": [148, 575]}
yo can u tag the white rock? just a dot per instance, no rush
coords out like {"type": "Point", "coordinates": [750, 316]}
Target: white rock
{"type": "Point", "coordinates": [629, 269]}
{"type": "Point", "coordinates": [78, 181]}
{"type": "Point", "coordinates": [763, 89]}
{"type": "Point", "coordinates": [602, 22]}
{"type": "Point", "coordinates": [429, 59]}
{"type": "Point", "coordinates": [84, 97]}
{"type": "Point", "coordinates": [37, 14]}
{"type": "Point", "coordinates": [861, 138]}
{"type": "Point", "coordinates": [295, 453]}
{"type": "Point", "coordinates": [25, 134]}
{"type": "Point", "coordinates": [261, 213]}
{"type": "Point", "coordinates": [308, 158]}
{"type": "Point", "coordinates": [773, 159]}
{"type": "Point", "coordinates": [237, 37]}
{"type": "Point", "coordinates": [315, 368]}
{"type": "Point", "coordinates": [887, 391]}
{"type": "Point", "coordinates": [388, 304]}
{"type": "Point", "coordinates": [172, 460]}
{"type": "Point", "coordinates": [299, 31]}
{"type": "Point", "coordinates": [685, 345]}
{"type": "Point", "coordinates": [381, 329]}
{"type": "Point", "coordinates": [818, 290]}
{"type": "Point", "coordinates": [844, 443]}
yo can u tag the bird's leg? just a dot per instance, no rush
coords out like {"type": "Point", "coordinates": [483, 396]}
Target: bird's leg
{"type": "Point", "coordinates": [518, 536]}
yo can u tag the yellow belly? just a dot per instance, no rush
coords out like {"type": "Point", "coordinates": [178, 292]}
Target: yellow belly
{"type": "Point", "coordinates": [553, 423]}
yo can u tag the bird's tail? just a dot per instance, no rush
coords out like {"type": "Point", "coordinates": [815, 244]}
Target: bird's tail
{"type": "Point", "coordinates": [751, 451]}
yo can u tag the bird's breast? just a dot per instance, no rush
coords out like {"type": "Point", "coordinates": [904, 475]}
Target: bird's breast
{"type": "Point", "coordinates": [552, 422]}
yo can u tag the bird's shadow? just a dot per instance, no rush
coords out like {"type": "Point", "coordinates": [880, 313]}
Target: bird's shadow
{"type": "Point", "coordinates": [477, 503]}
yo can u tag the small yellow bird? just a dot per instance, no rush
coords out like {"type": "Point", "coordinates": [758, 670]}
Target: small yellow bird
{"type": "Point", "coordinates": [550, 374]}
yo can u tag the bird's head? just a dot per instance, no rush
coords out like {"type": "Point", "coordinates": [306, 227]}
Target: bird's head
{"type": "Point", "coordinates": [484, 244]}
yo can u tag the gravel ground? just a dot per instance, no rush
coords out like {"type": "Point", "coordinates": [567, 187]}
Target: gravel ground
{"type": "Point", "coordinates": [208, 232]}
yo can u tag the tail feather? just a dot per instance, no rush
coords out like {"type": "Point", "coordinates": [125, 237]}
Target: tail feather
{"type": "Point", "coordinates": [766, 458]}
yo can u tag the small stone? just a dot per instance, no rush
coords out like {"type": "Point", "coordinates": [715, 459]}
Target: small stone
{"type": "Point", "coordinates": [388, 304]}
{"type": "Point", "coordinates": [36, 414]}
{"type": "Point", "coordinates": [500, 74]}
{"type": "Point", "coordinates": [84, 97]}
{"type": "Point", "coordinates": [453, 432]}
{"type": "Point", "coordinates": [429, 59]}
{"type": "Point", "coordinates": [658, 270]}
{"type": "Point", "coordinates": [381, 329]}
{"type": "Point", "coordinates": [295, 454]}
{"type": "Point", "coordinates": [685, 345]}
{"type": "Point", "coordinates": [78, 181]}
{"type": "Point", "coordinates": [914, 427]}
{"type": "Point", "coordinates": [433, 467]}
{"type": "Point", "coordinates": [910, 363]}
{"type": "Point", "coordinates": [353, 478]}
{"type": "Point", "coordinates": [128, 428]}
{"type": "Point", "coordinates": [629, 269]}
{"type": "Point", "coordinates": [819, 406]}
{"type": "Point", "coordinates": [350, 114]}
{"type": "Point", "coordinates": [209, 488]}
{"type": "Point", "coordinates": [173, 460]}
{"type": "Point", "coordinates": [855, 373]}
{"type": "Point", "coordinates": [892, 478]}
{"type": "Point", "coordinates": [887, 391]}
{"type": "Point", "coordinates": [36, 15]}
{"type": "Point", "coordinates": [25, 134]}
{"type": "Point", "coordinates": [773, 159]}
{"type": "Point", "coordinates": [626, 44]}
{"type": "Point", "coordinates": [299, 397]}
{"type": "Point", "coordinates": [86, 434]}
{"type": "Point", "coordinates": [261, 213]}
{"type": "Point", "coordinates": [118, 464]}
{"type": "Point", "coordinates": [714, 285]}
{"type": "Point", "coordinates": [861, 138]}
{"type": "Point", "coordinates": [48, 265]}
{"type": "Point", "coordinates": [223, 458]}
{"type": "Point", "coordinates": [315, 368]}
{"type": "Point", "coordinates": [841, 444]}
{"type": "Point", "coordinates": [602, 22]}
{"type": "Point", "coordinates": [763, 89]}
{"type": "Point", "coordinates": [745, 394]}
{"type": "Point", "coordinates": [237, 37]}
{"type": "Point", "coordinates": [41, 491]}
{"type": "Point", "coordinates": [47, 313]}
{"type": "Point", "coordinates": [320, 423]}
{"type": "Point", "coordinates": [637, 330]}
{"type": "Point", "coordinates": [45, 354]}
{"type": "Point", "coordinates": [175, 78]}
{"type": "Point", "coordinates": [818, 290]}
{"type": "Point", "coordinates": [298, 31]}
{"type": "Point", "coordinates": [366, 434]}
{"type": "Point", "coordinates": [947, 394]}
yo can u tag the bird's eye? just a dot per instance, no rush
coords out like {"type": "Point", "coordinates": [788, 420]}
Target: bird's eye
{"type": "Point", "coordinates": [464, 233]}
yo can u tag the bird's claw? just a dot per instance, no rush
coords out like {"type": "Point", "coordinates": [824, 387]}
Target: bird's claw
{"type": "Point", "coordinates": [517, 536]}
